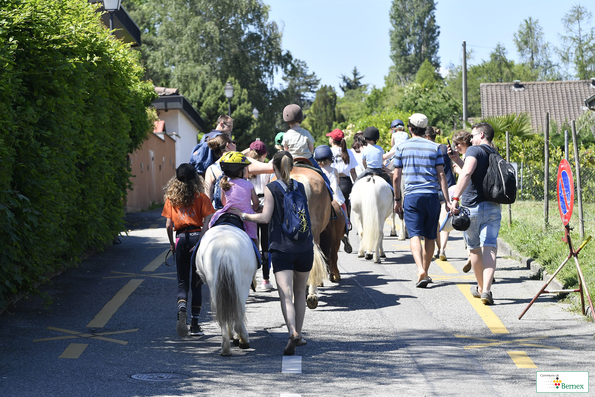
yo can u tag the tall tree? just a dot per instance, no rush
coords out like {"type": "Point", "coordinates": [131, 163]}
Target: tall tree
{"type": "Point", "coordinates": [427, 75]}
{"type": "Point", "coordinates": [187, 43]}
{"type": "Point", "coordinates": [579, 43]}
{"type": "Point", "coordinates": [301, 85]}
{"type": "Point", "coordinates": [534, 50]}
{"type": "Point", "coordinates": [351, 83]}
{"type": "Point", "coordinates": [323, 111]}
{"type": "Point", "coordinates": [413, 37]}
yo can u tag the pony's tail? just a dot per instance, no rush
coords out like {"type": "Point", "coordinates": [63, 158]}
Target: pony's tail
{"type": "Point", "coordinates": [227, 306]}
{"type": "Point", "coordinates": [318, 273]}
{"type": "Point", "coordinates": [370, 216]}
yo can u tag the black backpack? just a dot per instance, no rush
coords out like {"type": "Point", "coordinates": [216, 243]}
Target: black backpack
{"type": "Point", "coordinates": [499, 183]}
{"type": "Point", "coordinates": [296, 223]}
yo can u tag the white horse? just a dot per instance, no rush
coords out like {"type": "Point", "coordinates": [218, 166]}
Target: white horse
{"type": "Point", "coordinates": [226, 262]}
{"type": "Point", "coordinates": [371, 203]}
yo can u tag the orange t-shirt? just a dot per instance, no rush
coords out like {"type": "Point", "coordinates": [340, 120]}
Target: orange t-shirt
{"type": "Point", "coordinates": [189, 216]}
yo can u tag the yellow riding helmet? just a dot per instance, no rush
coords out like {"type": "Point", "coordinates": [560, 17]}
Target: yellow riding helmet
{"type": "Point", "coordinates": [234, 158]}
{"type": "Point", "coordinates": [233, 161]}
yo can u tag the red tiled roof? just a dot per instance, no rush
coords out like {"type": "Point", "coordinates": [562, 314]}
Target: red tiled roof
{"type": "Point", "coordinates": [564, 100]}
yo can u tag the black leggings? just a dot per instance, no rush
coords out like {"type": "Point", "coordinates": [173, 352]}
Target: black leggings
{"type": "Point", "coordinates": [187, 277]}
{"type": "Point", "coordinates": [263, 232]}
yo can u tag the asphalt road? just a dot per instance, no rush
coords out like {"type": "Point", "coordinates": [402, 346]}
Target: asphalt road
{"type": "Point", "coordinates": [111, 332]}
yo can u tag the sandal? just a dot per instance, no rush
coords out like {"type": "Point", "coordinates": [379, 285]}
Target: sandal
{"type": "Point", "coordinates": [291, 344]}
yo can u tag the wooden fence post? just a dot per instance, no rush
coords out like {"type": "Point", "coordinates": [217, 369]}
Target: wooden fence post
{"type": "Point", "coordinates": [546, 170]}
{"type": "Point", "coordinates": [508, 160]}
{"type": "Point", "coordinates": [577, 165]}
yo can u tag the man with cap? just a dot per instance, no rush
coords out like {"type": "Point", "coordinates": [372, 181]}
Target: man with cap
{"type": "Point", "coordinates": [420, 162]}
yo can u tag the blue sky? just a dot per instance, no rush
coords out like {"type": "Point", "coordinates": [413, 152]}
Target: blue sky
{"type": "Point", "coordinates": [334, 36]}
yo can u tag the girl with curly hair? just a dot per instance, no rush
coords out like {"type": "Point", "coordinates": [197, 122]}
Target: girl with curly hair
{"type": "Point", "coordinates": [186, 208]}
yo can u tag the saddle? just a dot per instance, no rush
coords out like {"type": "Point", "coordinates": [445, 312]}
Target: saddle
{"type": "Point", "coordinates": [234, 220]}
{"type": "Point", "coordinates": [303, 161]}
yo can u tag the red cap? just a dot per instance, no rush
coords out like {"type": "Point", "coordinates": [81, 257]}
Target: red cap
{"type": "Point", "coordinates": [336, 134]}
{"type": "Point", "coordinates": [259, 147]}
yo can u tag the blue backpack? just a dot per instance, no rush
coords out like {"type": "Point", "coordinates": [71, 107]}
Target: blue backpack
{"type": "Point", "coordinates": [296, 224]}
{"type": "Point", "coordinates": [201, 157]}
{"type": "Point", "coordinates": [217, 193]}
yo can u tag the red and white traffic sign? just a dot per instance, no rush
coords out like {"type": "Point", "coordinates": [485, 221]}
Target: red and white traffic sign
{"type": "Point", "coordinates": [565, 188]}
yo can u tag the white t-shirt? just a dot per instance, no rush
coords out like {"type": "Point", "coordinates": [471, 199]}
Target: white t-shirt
{"type": "Point", "coordinates": [373, 156]}
{"type": "Point", "coordinates": [297, 141]}
{"type": "Point", "coordinates": [259, 182]}
{"type": "Point", "coordinates": [358, 157]}
{"type": "Point", "coordinates": [339, 164]}
{"type": "Point", "coordinates": [333, 177]}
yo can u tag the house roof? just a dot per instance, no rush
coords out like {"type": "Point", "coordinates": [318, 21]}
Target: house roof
{"type": "Point", "coordinates": [564, 100]}
{"type": "Point", "coordinates": [170, 98]}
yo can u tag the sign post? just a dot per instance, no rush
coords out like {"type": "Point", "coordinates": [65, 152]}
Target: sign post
{"type": "Point", "coordinates": [565, 190]}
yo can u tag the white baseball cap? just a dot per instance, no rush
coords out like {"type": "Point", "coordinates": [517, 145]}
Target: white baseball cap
{"type": "Point", "coordinates": [418, 120]}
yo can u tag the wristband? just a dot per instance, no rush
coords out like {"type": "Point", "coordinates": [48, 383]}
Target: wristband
{"type": "Point", "coordinates": [243, 216]}
{"type": "Point", "coordinates": [455, 199]}
{"type": "Point", "coordinates": [398, 199]}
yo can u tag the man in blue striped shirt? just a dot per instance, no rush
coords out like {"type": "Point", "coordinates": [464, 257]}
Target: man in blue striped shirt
{"type": "Point", "coordinates": [420, 162]}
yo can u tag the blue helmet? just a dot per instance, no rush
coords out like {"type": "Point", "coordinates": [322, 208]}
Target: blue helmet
{"type": "Point", "coordinates": [323, 152]}
{"type": "Point", "coordinates": [396, 123]}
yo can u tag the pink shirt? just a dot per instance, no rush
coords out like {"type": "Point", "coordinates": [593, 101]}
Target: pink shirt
{"type": "Point", "coordinates": [240, 197]}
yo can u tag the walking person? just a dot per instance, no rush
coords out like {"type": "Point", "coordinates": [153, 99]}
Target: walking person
{"type": "Point", "coordinates": [186, 208]}
{"type": "Point", "coordinates": [258, 151]}
{"type": "Point", "coordinates": [442, 237]}
{"type": "Point", "coordinates": [420, 162]}
{"type": "Point", "coordinates": [345, 163]}
{"type": "Point", "coordinates": [292, 259]}
{"type": "Point", "coordinates": [482, 235]}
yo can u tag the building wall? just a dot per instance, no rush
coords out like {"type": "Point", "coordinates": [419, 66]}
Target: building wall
{"type": "Point", "coordinates": [175, 121]}
{"type": "Point", "coordinates": [152, 166]}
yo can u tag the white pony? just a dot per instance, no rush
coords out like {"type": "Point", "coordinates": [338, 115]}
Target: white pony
{"type": "Point", "coordinates": [371, 203]}
{"type": "Point", "coordinates": [226, 262]}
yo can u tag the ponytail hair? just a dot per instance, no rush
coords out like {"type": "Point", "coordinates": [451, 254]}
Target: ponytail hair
{"type": "Point", "coordinates": [225, 184]}
{"type": "Point", "coordinates": [283, 161]}
{"type": "Point", "coordinates": [344, 152]}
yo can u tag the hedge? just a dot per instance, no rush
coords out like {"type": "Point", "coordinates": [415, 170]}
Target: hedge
{"type": "Point", "coordinates": [73, 103]}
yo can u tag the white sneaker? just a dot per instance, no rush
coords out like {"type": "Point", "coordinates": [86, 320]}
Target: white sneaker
{"type": "Point", "coordinates": [266, 285]}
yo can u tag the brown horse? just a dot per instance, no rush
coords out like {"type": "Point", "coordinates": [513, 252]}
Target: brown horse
{"type": "Point", "coordinates": [319, 207]}
{"type": "Point", "coordinates": [330, 241]}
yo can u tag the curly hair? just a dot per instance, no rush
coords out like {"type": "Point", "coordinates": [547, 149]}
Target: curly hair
{"type": "Point", "coordinates": [181, 194]}
{"type": "Point", "coordinates": [462, 137]}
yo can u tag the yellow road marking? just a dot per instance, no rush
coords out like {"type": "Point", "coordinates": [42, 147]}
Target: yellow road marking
{"type": "Point", "coordinates": [486, 314]}
{"type": "Point", "coordinates": [125, 275]}
{"type": "Point", "coordinates": [447, 267]}
{"type": "Point", "coordinates": [114, 304]}
{"type": "Point", "coordinates": [155, 263]}
{"type": "Point", "coordinates": [496, 342]}
{"type": "Point", "coordinates": [76, 334]}
{"type": "Point", "coordinates": [521, 359]}
{"type": "Point", "coordinates": [74, 350]}
{"type": "Point", "coordinates": [455, 277]}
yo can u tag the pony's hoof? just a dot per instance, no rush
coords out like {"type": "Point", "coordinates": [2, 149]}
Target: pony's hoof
{"type": "Point", "coordinates": [335, 278]}
{"type": "Point", "coordinates": [360, 255]}
{"type": "Point", "coordinates": [244, 345]}
{"type": "Point", "coordinates": [393, 234]}
{"type": "Point", "coordinates": [312, 302]}
{"type": "Point", "coordinates": [236, 342]}
{"type": "Point", "coordinates": [383, 255]}
{"type": "Point", "coordinates": [225, 354]}
{"type": "Point", "coordinates": [369, 256]}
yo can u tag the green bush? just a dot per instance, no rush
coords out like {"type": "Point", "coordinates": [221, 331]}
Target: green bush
{"type": "Point", "coordinates": [73, 105]}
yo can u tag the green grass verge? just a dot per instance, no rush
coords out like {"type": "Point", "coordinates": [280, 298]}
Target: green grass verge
{"type": "Point", "coordinates": [528, 236]}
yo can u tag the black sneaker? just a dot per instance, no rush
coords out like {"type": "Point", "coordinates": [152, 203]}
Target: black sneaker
{"type": "Point", "coordinates": [181, 325]}
{"type": "Point", "coordinates": [196, 330]}
{"type": "Point", "coordinates": [486, 298]}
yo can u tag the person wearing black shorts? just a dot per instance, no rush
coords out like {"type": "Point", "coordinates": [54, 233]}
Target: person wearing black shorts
{"type": "Point", "coordinates": [292, 260]}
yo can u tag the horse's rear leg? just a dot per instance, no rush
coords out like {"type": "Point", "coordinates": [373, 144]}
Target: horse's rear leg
{"type": "Point", "coordinates": [244, 342]}
{"type": "Point", "coordinates": [226, 344]}
{"type": "Point", "coordinates": [393, 229]}
{"type": "Point", "coordinates": [312, 299]}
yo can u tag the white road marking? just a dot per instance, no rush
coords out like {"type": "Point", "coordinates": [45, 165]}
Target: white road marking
{"type": "Point", "coordinates": [290, 395]}
{"type": "Point", "coordinates": [291, 365]}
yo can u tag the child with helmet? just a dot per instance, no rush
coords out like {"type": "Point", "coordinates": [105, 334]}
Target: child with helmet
{"type": "Point", "coordinates": [237, 192]}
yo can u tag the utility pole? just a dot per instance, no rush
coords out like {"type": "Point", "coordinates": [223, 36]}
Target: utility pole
{"type": "Point", "coordinates": [464, 84]}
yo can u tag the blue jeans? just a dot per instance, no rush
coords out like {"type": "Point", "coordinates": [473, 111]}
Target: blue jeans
{"type": "Point", "coordinates": [485, 225]}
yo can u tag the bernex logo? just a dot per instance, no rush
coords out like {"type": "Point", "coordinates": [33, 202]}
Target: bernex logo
{"type": "Point", "coordinates": [569, 382]}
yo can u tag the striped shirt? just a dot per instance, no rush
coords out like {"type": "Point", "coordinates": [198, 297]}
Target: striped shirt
{"type": "Point", "coordinates": [418, 157]}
